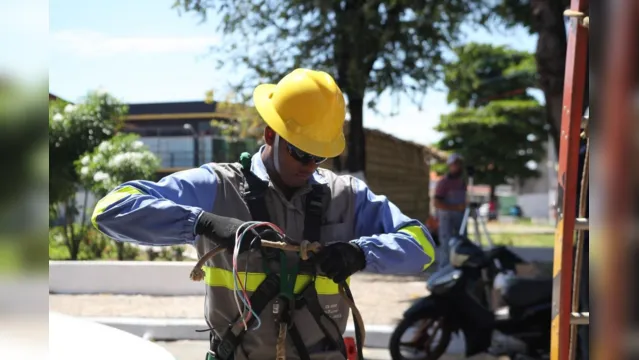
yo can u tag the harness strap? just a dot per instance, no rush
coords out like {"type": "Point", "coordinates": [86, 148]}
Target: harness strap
{"type": "Point", "coordinates": [267, 290]}
{"type": "Point", "coordinates": [298, 342]}
{"type": "Point", "coordinates": [309, 298]}
{"type": "Point", "coordinates": [313, 213]}
{"type": "Point", "coordinates": [253, 190]}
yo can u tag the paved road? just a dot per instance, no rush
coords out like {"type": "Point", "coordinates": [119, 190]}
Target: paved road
{"type": "Point", "coordinates": [381, 299]}
{"type": "Point", "coordinates": [196, 350]}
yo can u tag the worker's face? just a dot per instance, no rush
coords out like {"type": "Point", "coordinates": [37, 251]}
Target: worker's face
{"type": "Point", "coordinates": [296, 166]}
{"type": "Point", "coordinates": [455, 167]}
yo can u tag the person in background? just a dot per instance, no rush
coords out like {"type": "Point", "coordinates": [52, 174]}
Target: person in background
{"type": "Point", "coordinates": [493, 208]}
{"type": "Point", "coordinates": [450, 203]}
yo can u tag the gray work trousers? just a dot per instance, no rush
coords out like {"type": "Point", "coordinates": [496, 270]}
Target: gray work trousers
{"type": "Point", "coordinates": [449, 224]}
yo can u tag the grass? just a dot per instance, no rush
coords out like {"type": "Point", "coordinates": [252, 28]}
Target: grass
{"type": "Point", "coordinates": [523, 240]}
{"type": "Point", "coordinates": [9, 257]}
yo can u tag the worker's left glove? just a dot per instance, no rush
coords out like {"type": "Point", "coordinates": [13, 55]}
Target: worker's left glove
{"type": "Point", "coordinates": [221, 230]}
{"type": "Point", "coordinates": [341, 260]}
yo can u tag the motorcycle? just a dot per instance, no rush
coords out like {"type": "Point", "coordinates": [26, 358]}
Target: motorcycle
{"type": "Point", "coordinates": [460, 300]}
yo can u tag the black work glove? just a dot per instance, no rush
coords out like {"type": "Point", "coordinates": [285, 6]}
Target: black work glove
{"type": "Point", "coordinates": [341, 260]}
{"type": "Point", "coordinates": [221, 230]}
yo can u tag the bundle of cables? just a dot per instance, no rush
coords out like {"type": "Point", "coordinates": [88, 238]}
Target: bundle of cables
{"type": "Point", "coordinates": [242, 234]}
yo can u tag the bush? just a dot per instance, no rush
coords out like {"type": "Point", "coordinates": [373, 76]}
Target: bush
{"type": "Point", "coordinates": [93, 246]}
{"type": "Point", "coordinates": [96, 246]}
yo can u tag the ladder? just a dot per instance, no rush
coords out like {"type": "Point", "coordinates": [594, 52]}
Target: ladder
{"type": "Point", "coordinates": [566, 272]}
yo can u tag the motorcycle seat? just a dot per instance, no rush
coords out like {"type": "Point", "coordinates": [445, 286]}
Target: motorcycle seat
{"type": "Point", "coordinates": [521, 292]}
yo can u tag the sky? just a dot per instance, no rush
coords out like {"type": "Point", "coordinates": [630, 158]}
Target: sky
{"type": "Point", "coordinates": [143, 51]}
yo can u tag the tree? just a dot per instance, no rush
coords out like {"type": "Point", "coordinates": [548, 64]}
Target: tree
{"type": "Point", "coordinates": [25, 161]}
{"type": "Point", "coordinates": [245, 123]}
{"type": "Point", "coordinates": [73, 131]}
{"type": "Point", "coordinates": [544, 17]}
{"type": "Point", "coordinates": [482, 73]}
{"type": "Point", "coordinates": [498, 127]}
{"type": "Point", "coordinates": [115, 161]}
{"type": "Point", "coordinates": [500, 139]}
{"type": "Point", "coordinates": [369, 46]}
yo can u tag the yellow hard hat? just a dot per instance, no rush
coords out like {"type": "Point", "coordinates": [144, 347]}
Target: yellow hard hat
{"type": "Point", "coordinates": [307, 109]}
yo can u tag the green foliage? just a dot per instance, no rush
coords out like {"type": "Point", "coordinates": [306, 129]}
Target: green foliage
{"type": "Point", "coordinates": [369, 47]}
{"type": "Point", "coordinates": [93, 246]}
{"type": "Point", "coordinates": [514, 12]}
{"type": "Point", "coordinates": [246, 121]}
{"type": "Point", "coordinates": [119, 159]}
{"type": "Point", "coordinates": [498, 128]}
{"type": "Point", "coordinates": [22, 144]}
{"type": "Point", "coordinates": [482, 73]}
{"type": "Point", "coordinates": [499, 139]}
{"type": "Point", "coordinates": [75, 130]}
{"type": "Point", "coordinates": [96, 246]}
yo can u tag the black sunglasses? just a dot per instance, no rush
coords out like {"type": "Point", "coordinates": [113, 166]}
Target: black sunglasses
{"type": "Point", "coordinates": [303, 156]}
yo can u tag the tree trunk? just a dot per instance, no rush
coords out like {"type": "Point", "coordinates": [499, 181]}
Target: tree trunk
{"type": "Point", "coordinates": [548, 21]}
{"type": "Point", "coordinates": [72, 241]}
{"type": "Point", "coordinates": [492, 192]}
{"type": "Point", "coordinates": [120, 246]}
{"type": "Point", "coordinates": [356, 162]}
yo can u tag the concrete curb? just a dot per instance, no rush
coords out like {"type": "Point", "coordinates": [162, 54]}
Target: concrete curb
{"type": "Point", "coordinates": [377, 336]}
{"type": "Point", "coordinates": [164, 278]}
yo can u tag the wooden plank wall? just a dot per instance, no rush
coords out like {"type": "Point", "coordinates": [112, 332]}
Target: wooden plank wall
{"type": "Point", "coordinates": [398, 169]}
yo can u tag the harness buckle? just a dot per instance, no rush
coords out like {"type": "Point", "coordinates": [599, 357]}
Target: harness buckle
{"type": "Point", "coordinates": [226, 348]}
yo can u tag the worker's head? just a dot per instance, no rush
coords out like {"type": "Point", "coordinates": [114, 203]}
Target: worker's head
{"type": "Point", "coordinates": [305, 116]}
{"type": "Point", "coordinates": [455, 164]}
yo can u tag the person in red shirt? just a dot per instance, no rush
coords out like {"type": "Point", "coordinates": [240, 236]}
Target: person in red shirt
{"type": "Point", "coordinates": [450, 202]}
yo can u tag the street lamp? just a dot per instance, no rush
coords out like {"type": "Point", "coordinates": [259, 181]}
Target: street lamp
{"type": "Point", "coordinates": [196, 144]}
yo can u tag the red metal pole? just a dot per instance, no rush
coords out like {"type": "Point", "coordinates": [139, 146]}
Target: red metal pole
{"type": "Point", "coordinates": [574, 87]}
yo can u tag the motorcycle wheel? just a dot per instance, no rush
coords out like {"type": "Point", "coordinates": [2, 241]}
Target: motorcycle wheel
{"type": "Point", "coordinates": [422, 339]}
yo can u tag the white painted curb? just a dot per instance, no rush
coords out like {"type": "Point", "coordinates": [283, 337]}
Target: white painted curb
{"type": "Point", "coordinates": [168, 278]}
{"type": "Point", "coordinates": [163, 278]}
{"type": "Point", "coordinates": [377, 336]}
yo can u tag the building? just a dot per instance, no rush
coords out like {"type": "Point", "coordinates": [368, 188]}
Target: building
{"type": "Point", "coordinates": [181, 134]}
{"type": "Point", "coordinates": [53, 97]}
{"type": "Point", "coordinates": [537, 196]}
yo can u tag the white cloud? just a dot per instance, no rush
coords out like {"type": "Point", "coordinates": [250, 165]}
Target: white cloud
{"type": "Point", "coordinates": [93, 44]}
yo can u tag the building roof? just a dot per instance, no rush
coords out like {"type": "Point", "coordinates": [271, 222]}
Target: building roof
{"type": "Point", "coordinates": [172, 107]}
{"type": "Point", "coordinates": [184, 110]}
{"type": "Point", "coordinates": [53, 97]}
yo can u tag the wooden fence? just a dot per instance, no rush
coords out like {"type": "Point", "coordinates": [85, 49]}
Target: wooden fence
{"type": "Point", "coordinates": [399, 170]}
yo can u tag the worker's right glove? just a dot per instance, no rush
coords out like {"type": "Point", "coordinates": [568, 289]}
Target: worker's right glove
{"type": "Point", "coordinates": [341, 260]}
{"type": "Point", "coordinates": [221, 230]}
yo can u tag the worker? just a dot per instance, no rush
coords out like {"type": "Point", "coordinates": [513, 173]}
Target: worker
{"type": "Point", "coordinates": [450, 204]}
{"type": "Point", "coordinates": [282, 184]}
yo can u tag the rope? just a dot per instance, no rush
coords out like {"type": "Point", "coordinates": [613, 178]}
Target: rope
{"type": "Point", "coordinates": [582, 18]}
{"type": "Point", "coordinates": [304, 250]}
{"type": "Point", "coordinates": [280, 347]}
{"type": "Point", "coordinates": [576, 281]}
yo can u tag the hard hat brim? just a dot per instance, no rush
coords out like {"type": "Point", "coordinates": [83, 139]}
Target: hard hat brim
{"type": "Point", "coordinates": [264, 106]}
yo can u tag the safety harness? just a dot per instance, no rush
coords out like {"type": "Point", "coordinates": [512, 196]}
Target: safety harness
{"type": "Point", "coordinates": [280, 280]}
